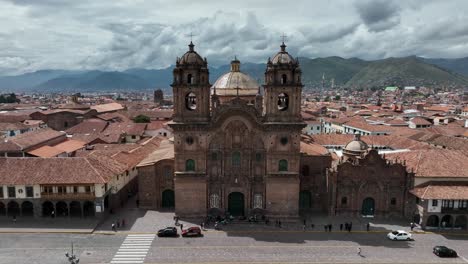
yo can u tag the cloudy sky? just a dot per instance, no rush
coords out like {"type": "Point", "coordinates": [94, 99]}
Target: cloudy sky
{"type": "Point", "coordinates": [122, 34]}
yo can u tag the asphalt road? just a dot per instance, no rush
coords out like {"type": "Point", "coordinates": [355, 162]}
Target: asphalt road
{"type": "Point", "coordinates": [236, 247]}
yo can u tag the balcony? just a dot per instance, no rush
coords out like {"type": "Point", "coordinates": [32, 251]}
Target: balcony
{"type": "Point", "coordinates": [451, 210]}
{"type": "Point", "coordinates": [68, 196]}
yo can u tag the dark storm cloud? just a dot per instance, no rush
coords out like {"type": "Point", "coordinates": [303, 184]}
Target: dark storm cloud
{"type": "Point", "coordinates": [379, 15]}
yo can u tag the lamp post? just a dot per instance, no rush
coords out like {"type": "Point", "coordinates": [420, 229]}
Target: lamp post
{"type": "Point", "coordinates": [72, 257]}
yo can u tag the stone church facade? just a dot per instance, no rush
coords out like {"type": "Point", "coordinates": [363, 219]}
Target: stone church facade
{"type": "Point", "coordinates": [238, 150]}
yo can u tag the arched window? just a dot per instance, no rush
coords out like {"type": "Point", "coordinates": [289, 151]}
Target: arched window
{"type": "Point", "coordinates": [189, 78]}
{"type": "Point", "coordinates": [190, 165]}
{"type": "Point", "coordinates": [236, 158]}
{"type": "Point", "coordinates": [214, 201]}
{"type": "Point", "coordinates": [344, 200]}
{"type": "Point", "coordinates": [167, 172]}
{"type": "Point", "coordinates": [283, 101]}
{"type": "Point", "coordinates": [283, 165]}
{"type": "Point", "coordinates": [284, 79]}
{"type": "Point", "coordinates": [191, 101]}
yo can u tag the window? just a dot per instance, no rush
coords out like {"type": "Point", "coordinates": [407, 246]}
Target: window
{"type": "Point", "coordinates": [48, 189]}
{"type": "Point", "coordinates": [214, 156]}
{"type": "Point", "coordinates": [462, 204]}
{"type": "Point", "coordinates": [11, 192]}
{"type": "Point", "coordinates": [448, 203]}
{"type": "Point", "coordinates": [65, 124]}
{"type": "Point", "coordinates": [88, 189]}
{"type": "Point", "coordinates": [435, 202]}
{"type": "Point", "coordinates": [393, 201]}
{"type": "Point", "coordinates": [258, 156]}
{"type": "Point", "coordinates": [344, 200]}
{"type": "Point", "coordinates": [133, 137]}
{"type": "Point", "coordinates": [283, 165]}
{"type": "Point", "coordinates": [236, 158]}
{"type": "Point", "coordinates": [1, 191]}
{"type": "Point", "coordinates": [29, 191]}
{"type": "Point", "coordinates": [190, 165]}
{"type": "Point", "coordinates": [284, 79]}
{"type": "Point", "coordinates": [189, 140]}
{"type": "Point", "coordinates": [284, 140]}
{"type": "Point", "coordinates": [61, 189]}
{"type": "Point", "coordinates": [189, 78]}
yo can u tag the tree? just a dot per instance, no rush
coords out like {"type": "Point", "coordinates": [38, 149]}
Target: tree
{"type": "Point", "coordinates": [337, 98]}
{"type": "Point", "coordinates": [142, 119]}
{"type": "Point", "coordinates": [327, 99]}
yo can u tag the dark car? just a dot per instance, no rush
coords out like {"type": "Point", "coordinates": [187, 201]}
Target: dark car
{"type": "Point", "coordinates": [443, 251]}
{"type": "Point", "coordinates": [168, 232]}
{"type": "Point", "coordinates": [192, 232]}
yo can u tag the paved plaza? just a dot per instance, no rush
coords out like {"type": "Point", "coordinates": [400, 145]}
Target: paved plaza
{"type": "Point", "coordinates": [46, 241]}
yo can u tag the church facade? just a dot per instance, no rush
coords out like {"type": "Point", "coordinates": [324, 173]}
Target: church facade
{"type": "Point", "coordinates": [238, 149]}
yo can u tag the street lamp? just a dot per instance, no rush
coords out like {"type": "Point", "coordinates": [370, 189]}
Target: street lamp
{"type": "Point", "coordinates": [72, 257]}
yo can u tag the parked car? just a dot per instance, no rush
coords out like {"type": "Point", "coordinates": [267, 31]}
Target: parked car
{"type": "Point", "coordinates": [167, 232]}
{"type": "Point", "coordinates": [191, 232]}
{"type": "Point", "coordinates": [399, 235]}
{"type": "Point", "coordinates": [443, 251]}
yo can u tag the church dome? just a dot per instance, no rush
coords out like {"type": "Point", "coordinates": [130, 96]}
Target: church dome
{"type": "Point", "coordinates": [191, 57]}
{"type": "Point", "coordinates": [356, 146]}
{"type": "Point", "coordinates": [235, 83]}
{"type": "Point", "coordinates": [283, 57]}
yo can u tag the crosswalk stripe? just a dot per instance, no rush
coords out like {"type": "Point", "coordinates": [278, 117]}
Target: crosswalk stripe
{"type": "Point", "coordinates": [133, 249]}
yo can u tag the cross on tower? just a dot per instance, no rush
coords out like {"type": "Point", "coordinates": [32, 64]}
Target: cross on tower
{"type": "Point", "coordinates": [284, 37]}
{"type": "Point", "coordinates": [191, 35]}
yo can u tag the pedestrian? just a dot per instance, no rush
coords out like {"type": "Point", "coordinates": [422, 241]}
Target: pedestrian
{"type": "Point", "coordinates": [325, 227]}
{"type": "Point", "coordinates": [279, 223]}
{"type": "Point", "coordinates": [123, 222]}
{"type": "Point", "coordinates": [412, 226]}
{"type": "Point", "coordinates": [304, 221]}
{"type": "Point", "coordinates": [181, 227]}
{"type": "Point", "coordinates": [303, 227]}
{"type": "Point", "coordinates": [113, 227]}
{"type": "Point", "coordinates": [346, 226]}
{"type": "Point", "coordinates": [330, 226]}
{"type": "Point", "coordinates": [312, 226]}
{"type": "Point", "coordinates": [359, 252]}
{"type": "Point", "coordinates": [52, 214]}
{"type": "Point", "coordinates": [341, 227]}
{"type": "Point", "coordinates": [368, 227]}
{"type": "Point", "coordinates": [350, 226]}
{"type": "Point", "coordinates": [137, 203]}
{"type": "Point", "coordinates": [118, 223]}
{"type": "Point", "coordinates": [14, 219]}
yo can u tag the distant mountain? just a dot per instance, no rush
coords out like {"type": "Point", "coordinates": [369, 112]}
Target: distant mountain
{"type": "Point", "coordinates": [408, 71]}
{"type": "Point", "coordinates": [456, 65]}
{"type": "Point", "coordinates": [351, 72]}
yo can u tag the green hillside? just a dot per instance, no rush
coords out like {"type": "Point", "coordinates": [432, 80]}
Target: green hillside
{"type": "Point", "coordinates": [409, 71]}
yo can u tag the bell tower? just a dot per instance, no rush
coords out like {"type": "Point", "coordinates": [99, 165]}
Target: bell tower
{"type": "Point", "coordinates": [283, 88]}
{"type": "Point", "coordinates": [191, 88]}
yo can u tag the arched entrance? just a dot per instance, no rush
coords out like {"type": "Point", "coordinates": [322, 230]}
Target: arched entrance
{"type": "Point", "coordinates": [305, 200]}
{"type": "Point", "coordinates": [168, 199]}
{"type": "Point", "coordinates": [368, 206]}
{"type": "Point", "coordinates": [446, 221]}
{"type": "Point", "coordinates": [460, 222]}
{"type": "Point", "coordinates": [47, 208]}
{"type": "Point", "coordinates": [88, 209]}
{"type": "Point", "coordinates": [75, 209]}
{"type": "Point", "coordinates": [236, 204]}
{"type": "Point", "coordinates": [27, 209]}
{"type": "Point", "coordinates": [62, 209]}
{"type": "Point", "coordinates": [13, 208]}
{"type": "Point", "coordinates": [432, 221]}
{"type": "Point", "coordinates": [2, 209]}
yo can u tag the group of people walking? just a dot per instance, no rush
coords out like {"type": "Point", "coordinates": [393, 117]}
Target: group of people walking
{"type": "Point", "coordinates": [117, 224]}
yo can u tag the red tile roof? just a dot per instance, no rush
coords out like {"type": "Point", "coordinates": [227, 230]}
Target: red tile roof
{"type": "Point", "coordinates": [442, 190]}
{"type": "Point", "coordinates": [33, 138]}
{"type": "Point", "coordinates": [46, 152]}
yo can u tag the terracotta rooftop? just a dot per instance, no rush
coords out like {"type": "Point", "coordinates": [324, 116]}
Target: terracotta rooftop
{"type": "Point", "coordinates": [110, 107]}
{"type": "Point", "coordinates": [420, 121]}
{"type": "Point", "coordinates": [313, 149]}
{"type": "Point", "coordinates": [442, 190]}
{"type": "Point", "coordinates": [89, 170]}
{"type": "Point", "coordinates": [92, 125]}
{"type": "Point", "coordinates": [46, 152]}
{"type": "Point", "coordinates": [33, 138]}
{"type": "Point", "coordinates": [434, 162]}
{"type": "Point", "coordinates": [12, 126]}
{"type": "Point", "coordinates": [70, 145]}
{"type": "Point", "coordinates": [165, 151]}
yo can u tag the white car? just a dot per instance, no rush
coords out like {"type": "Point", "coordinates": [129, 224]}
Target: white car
{"type": "Point", "coordinates": [399, 235]}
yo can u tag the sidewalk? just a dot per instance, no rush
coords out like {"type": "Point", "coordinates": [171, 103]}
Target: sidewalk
{"type": "Point", "coordinates": [48, 225]}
